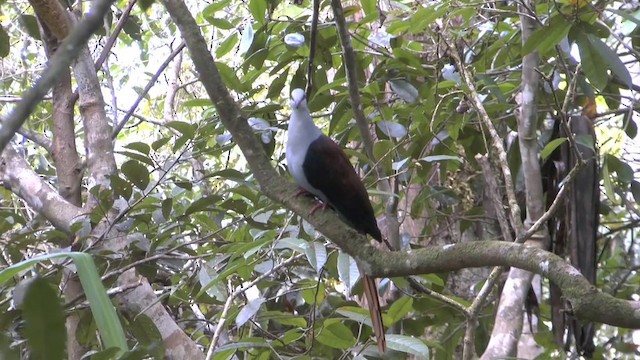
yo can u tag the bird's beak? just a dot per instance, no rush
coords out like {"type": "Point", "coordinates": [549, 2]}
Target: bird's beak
{"type": "Point", "coordinates": [296, 103]}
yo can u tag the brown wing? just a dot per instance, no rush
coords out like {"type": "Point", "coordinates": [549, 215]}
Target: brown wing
{"type": "Point", "coordinates": [328, 169]}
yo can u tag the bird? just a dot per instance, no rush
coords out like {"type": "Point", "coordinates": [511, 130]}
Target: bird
{"type": "Point", "coordinates": [320, 167]}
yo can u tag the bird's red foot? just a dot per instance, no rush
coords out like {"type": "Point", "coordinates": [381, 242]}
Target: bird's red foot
{"type": "Point", "coordinates": [319, 205]}
{"type": "Point", "coordinates": [302, 191]}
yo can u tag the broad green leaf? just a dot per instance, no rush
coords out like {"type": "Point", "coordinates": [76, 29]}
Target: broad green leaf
{"type": "Point", "coordinates": [348, 270]}
{"type": "Point", "coordinates": [211, 9]}
{"type": "Point", "coordinates": [136, 173]}
{"type": "Point", "coordinates": [226, 45]}
{"type": "Point", "coordinates": [400, 308]}
{"type": "Point", "coordinates": [546, 37]}
{"type": "Point", "coordinates": [316, 255]}
{"type": "Point", "coordinates": [404, 90]}
{"type": "Point", "coordinates": [140, 147]}
{"type": "Point", "coordinates": [44, 321]}
{"type": "Point", "coordinates": [246, 343]}
{"type": "Point", "coordinates": [635, 190]}
{"type": "Point", "coordinates": [434, 158]}
{"type": "Point", "coordinates": [206, 203]}
{"type": "Point", "coordinates": [551, 146]}
{"type": "Point", "coordinates": [612, 60]}
{"type": "Point", "coordinates": [606, 179]}
{"type": "Point", "coordinates": [424, 17]}
{"type": "Point", "coordinates": [369, 7]}
{"type": "Point", "coordinates": [184, 128]}
{"type": "Point", "coordinates": [222, 24]}
{"type": "Point", "coordinates": [622, 169]}
{"type": "Point", "coordinates": [356, 314]}
{"type": "Point", "coordinates": [258, 9]}
{"type": "Point", "coordinates": [5, 44]}
{"type": "Point", "coordinates": [231, 268]}
{"type": "Point", "coordinates": [229, 76]}
{"type": "Point", "coordinates": [392, 129]}
{"type": "Point", "coordinates": [30, 25]}
{"type": "Point", "coordinates": [132, 27]}
{"type": "Point", "coordinates": [593, 65]}
{"type": "Point", "coordinates": [630, 127]}
{"type": "Point", "coordinates": [408, 344]}
{"type": "Point", "coordinates": [313, 292]}
{"type": "Point", "coordinates": [148, 335]}
{"type": "Point", "coordinates": [197, 103]}
{"type": "Point", "coordinates": [6, 351]}
{"type": "Point", "coordinates": [246, 40]}
{"type": "Point", "coordinates": [102, 309]}
{"type": "Point", "coordinates": [249, 310]}
{"type": "Point", "coordinates": [336, 335]}
{"type": "Point", "coordinates": [284, 318]}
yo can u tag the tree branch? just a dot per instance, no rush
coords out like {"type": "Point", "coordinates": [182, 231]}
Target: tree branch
{"type": "Point", "coordinates": [69, 49]}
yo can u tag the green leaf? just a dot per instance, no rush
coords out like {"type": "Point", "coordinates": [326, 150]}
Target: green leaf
{"type": "Point", "coordinates": [621, 168]}
{"type": "Point", "coordinates": [551, 146]}
{"type": "Point", "coordinates": [400, 308]}
{"type": "Point", "coordinates": [356, 314]}
{"type": "Point", "coordinates": [336, 335]}
{"type": "Point", "coordinates": [44, 319]}
{"type": "Point", "coordinates": [30, 26]}
{"type": "Point", "coordinates": [258, 9]}
{"type": "Point", "coordinates": [184, 128]}
{"type": "Point", "coordinates": [424, 17]}
{"type": "Point", "coordinates": [101, 307]}
{"type": "Point", "coordinates": [139, 146]}
{"type": "Point", "coordinates": [635, 190]}
{"type": "Point", "coordinates": [606, 179]}
{"type": "Point", "coordinates": [197, 103]}
{"type": "Point", "coordinates": [246, 40]}
{"type": "Point", "coordinates": [5, 44]}
{"type": "Point", "coordinates": [167, 205]}
{"type": "Point", "coordinates": [226, 45]}
{"type": "Point", "coordinates": [132, 27]}
{"type": "Point", "coordinates": [229, 76]}
{"type": "Point", "coordinates": [434, 158]}
{"type": "Point", "coordinates": [369, 7]}
{"type": "Point", "coordinates": [408, 344]}
{"type": "Point", "coordinates": [611, 59]}
{"type": "Point", "coordinates": [284, 318]}
{"type": "Point", "coordinates": [547, 37]}
{"type": "Point", "coordinates": [214, 7]}
{"type": "Point", "coordinates": [595, 68]}
{"type": "Point", "coordinates": [249, 310]}
{"type": "Point", "coordinates": [316, 254]}
{"type": "Point", "coordinates": [6, 352]}
{"type": "Point", "coordinates": [148, 335]}
{"type": "Point", "coordinates": [222, 24]}
{"type": "Point", "coordinates": [348, 270]}
{"type": "Point", "coordinates": [630, 127]}
{"type": "Point", "coordinates": [121, 187]}
{"type": "Point", "coordinates": [207, 203]}
{"type": "Point", "coordinates": [136, 173]}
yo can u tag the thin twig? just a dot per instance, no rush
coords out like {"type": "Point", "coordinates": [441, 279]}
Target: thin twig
{"type": "Point", "coordinates": [496, 140]}
{"type": "Point", "coordinates": [146, 89]}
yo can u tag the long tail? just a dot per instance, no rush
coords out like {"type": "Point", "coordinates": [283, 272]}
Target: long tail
{"type": "Point", "coordinates": [371, 292]}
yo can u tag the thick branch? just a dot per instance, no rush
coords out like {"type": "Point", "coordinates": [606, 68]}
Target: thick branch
{"type": "Point", "coordinates": [69, 49]}
{"type": "Point", "coordinates": [18, 176]}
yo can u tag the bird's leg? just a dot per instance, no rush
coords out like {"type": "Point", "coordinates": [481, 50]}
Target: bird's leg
{"type": "Point", "coordinates": [302, 191]}
{"type": "Point", "coordinates": [318, 205]}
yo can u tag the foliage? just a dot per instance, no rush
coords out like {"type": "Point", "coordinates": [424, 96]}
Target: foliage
{"type": "Point", "coordinates": [233, 267]}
